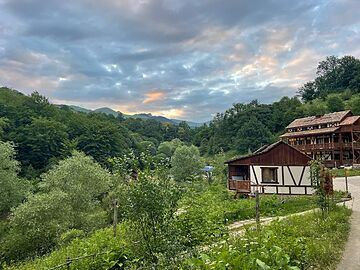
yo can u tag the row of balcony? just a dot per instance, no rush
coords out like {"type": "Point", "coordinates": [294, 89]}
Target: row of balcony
{"type": "Point", "coordinates": [327, 146]}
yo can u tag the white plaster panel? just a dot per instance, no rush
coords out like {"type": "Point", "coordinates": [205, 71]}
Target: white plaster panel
{"type": "Point", "coordinates": [284, 190]}
{"type": "Point", "coordinates": [306, 178]}
{"type": "Point", "coordinates": [297, 190]}
{"type": "Point", "coordinates": [270, 190]}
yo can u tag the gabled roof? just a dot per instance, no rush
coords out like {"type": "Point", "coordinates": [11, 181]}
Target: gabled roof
{"type": "Point", "coordinates": [265, 149]}
{"type": "Point", "coordinates": [310, 132]}
{"type": "Point", "coordinates": [317, 120]}
{"type": "Point", "coordinates": [349, 120]}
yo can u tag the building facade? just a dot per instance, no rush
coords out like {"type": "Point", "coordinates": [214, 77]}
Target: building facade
{"type": "Point", "coordinates": [333, 138]}
{"type": "Point", "coordinates": [274, 169]}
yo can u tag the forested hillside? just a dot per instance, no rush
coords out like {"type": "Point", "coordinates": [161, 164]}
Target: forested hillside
{"type": "Point", "coordinates": [245, 127]}
{"type": "Point", "coordinates": [66, 176]}
{"type": "Point", "coordinates": [44, 133]}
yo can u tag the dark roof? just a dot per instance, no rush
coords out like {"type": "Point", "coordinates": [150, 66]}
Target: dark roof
{"type": "Point", "coordinates": [317, 120]}
{"type": "Point", "coordinates": [310, 132]}
{"type": "Point", "coordinates": [262, 150]}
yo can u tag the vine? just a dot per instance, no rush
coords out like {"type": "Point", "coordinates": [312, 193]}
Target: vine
{"type": "Point", "coordinates": [321, 180]}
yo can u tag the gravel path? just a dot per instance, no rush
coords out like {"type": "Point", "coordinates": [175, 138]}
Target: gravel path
{"type": "Point", "coordinates": [351, 256]}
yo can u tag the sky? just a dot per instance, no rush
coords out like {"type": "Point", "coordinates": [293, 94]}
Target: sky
{"type": "Point", "coordinates": [182, 59]}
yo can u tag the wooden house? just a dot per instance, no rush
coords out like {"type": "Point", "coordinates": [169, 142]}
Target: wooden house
{"type": "Point", "coordinates": [333, 138]}
{"type": "Point", "coordinates": [274, 169]}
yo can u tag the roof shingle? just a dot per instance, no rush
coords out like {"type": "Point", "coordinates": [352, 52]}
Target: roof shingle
{"type": "Point", "coordinates": [317, 120]}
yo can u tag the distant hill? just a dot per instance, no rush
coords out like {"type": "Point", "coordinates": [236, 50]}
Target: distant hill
{"type": "Point", "coordinates": [79, 109]}
{"type": "Point", "coordinates": [144, 116]}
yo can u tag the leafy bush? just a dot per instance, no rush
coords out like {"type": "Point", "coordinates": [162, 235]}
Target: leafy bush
{"type": "Point", "coordinates": [186, 163]}
{"type": "Point", "coordinates": [69, 198]}
{"type": "Point", "coordinates": [205, 212]}
{"type": "Point", "coordinates": [301, 242]}
{"type": "Point", "coordinates": [12, 189]}
{"type": "Point", "coordinates": [35, 225]}
{"type": "Point", "coordinates": [112, 252]}
{"type": "Point", "coordinates": [149, 208]}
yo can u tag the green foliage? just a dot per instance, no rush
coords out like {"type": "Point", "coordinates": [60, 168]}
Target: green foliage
{"type": "Point", "coordinates": [252, 135]}
{"type": "Point", "coordinates": [102, 140]}
{"type": "Point", "coordinates": [69, 198]}
{"type": "Point", "coordinates": [354, 104]}
{"type": "Point", "coordinates": [110, 253]}
{"type": "Point", "coordinates": [39, 142]}
{"type": "Point", "coordinates": [341, 172]}
{"type": "Point", "coordinates": [186, 163]}
{"type": "Point", "coordinates": [333, 75]}
{"type": "Point", "coordinates": [35, 225]}
{"type": "Point", "coordinates": [335, 103]}
{"type": "Point", "coordinates": [149, 208]}
{"type": "Point", "coordinates": [321, 180]}
{"type": "Point", "coordinates": [13, 189]}
{"type": "Point", "coordinates": [302, 242]}
{"type": "Point", "coordinates": [206, 211]}
{"type": "Point", "coordinates": [3, 126]}
{"type": "Point", "coordinates": [168, 148]}
{"type": "Point", "coordinates": [83, 191]}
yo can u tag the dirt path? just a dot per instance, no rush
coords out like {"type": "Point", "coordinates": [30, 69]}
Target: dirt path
{"type": "Point", "coordinates": [351, 256]}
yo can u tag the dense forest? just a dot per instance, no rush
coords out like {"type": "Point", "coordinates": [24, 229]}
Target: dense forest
{"type": "Point", "coordinates": [64, 174]}
{"type": "Point", "coordinates": [44, 133]}
{"type": "Point", "coordinates": [245, 127]}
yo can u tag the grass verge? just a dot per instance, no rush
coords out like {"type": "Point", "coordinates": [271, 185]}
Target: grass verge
{"type": "Point", "coordinates": [300, 242]}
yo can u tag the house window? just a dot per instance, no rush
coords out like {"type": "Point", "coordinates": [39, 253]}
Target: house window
{"type": "Point", "coordinates": [269, 175]}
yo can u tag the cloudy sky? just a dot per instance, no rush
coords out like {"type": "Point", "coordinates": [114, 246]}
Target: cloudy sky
{"type": "Point", "coordinates": [183, 59]}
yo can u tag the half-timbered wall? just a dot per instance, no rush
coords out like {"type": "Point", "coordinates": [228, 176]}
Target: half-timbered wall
{"type": "Point", "coordinates": [291, 180]}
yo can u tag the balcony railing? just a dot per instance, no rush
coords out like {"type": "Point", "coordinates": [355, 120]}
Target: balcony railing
{"type": "Point", "coordinates": [243, 186]}
{"type": "Point", "coordinates": [327, 146]}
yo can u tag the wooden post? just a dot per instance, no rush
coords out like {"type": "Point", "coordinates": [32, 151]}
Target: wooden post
{"type": "Point", "coordinates": [346, 181]}
{"type": "Point", "coordinates": [341, 150]}
{"type": "Point", "coordinates": [352, 147]}
{"type": "Point", "coordinates": [257, 206]}
{"type": "Point", "coordinates": [115, 206]}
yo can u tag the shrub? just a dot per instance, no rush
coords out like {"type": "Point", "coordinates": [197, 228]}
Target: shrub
{"type": "Point", "coordinates": [299, 242]}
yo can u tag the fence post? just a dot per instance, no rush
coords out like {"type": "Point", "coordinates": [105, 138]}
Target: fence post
{"type": "Point", "coordinates": [257, 207]}
{"type": "Point", "coordinates": [346, 181]}
{"type": "Point", "coordinates": [115, 206]}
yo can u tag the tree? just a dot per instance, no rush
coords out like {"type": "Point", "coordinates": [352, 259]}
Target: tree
{"type": "Point", "coordinates": [102, 140]}
{"type": "Point", "coordinates": [334, 75]}
{"type": "Point", "coordinates": [252, 135]}
{"type": "Point", "coordinates": [186, 163]}
{"type": "Point", "coordinates": [35, 225]}
{"type": "Point", "coordinates": [44, 139]}
{"type": "Point", "coordinates": [354, 105]}
{"type": "Point", "coordinates": [84, 182]}
{"type": "Point", "coordinates": [168, 148]}
{"type": "Point", "coordinates": [3, 124]}
{"type": "Point", "coordinates": [69, 197]}
{"type": "Point", "coordinates": [13, 189]}
{"type": "Point", "coordinates": [149, 206]}
{"type": "Point", "coordinates": [308, 91]}
{"type": "Point", "coordinates": [335, 103]}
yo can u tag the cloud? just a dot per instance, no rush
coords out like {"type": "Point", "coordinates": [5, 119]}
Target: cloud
{"type": "Point", "coordinates": [203, 55]}
{"type": "Point", "coordinates": [153, 96]}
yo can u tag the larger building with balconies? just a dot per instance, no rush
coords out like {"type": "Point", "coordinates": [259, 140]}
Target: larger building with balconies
{"type": "Point", "coordinates": [333, 138]}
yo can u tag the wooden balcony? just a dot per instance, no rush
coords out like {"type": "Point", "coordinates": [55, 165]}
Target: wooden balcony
{"type": "Point", "coordinates": [326, 146]}
{"type": "Point", "coordinates": [241, 186]}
